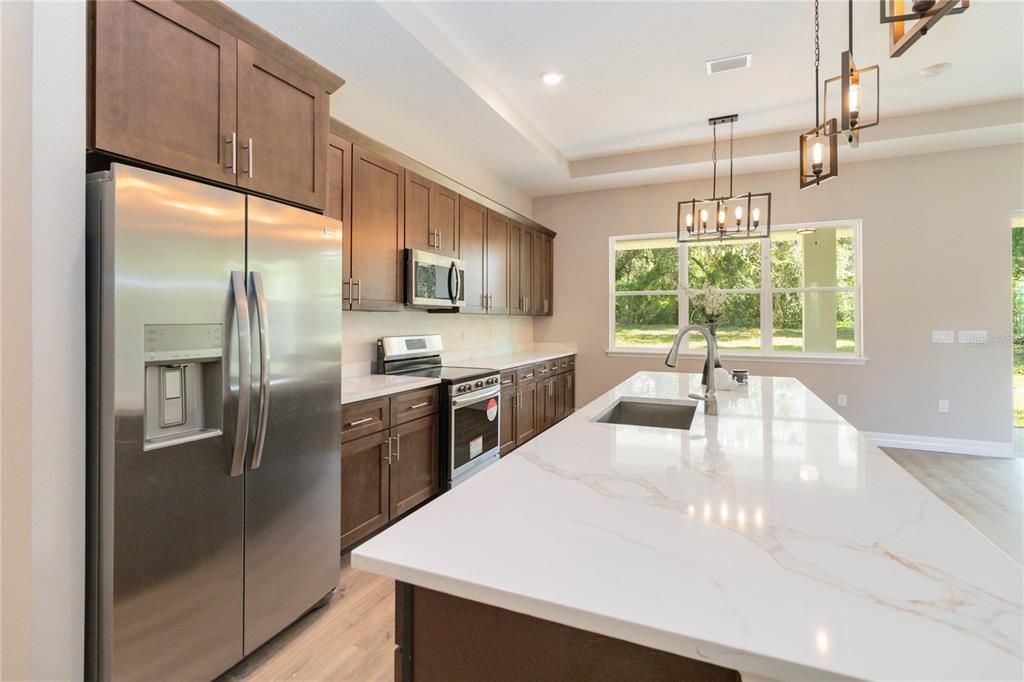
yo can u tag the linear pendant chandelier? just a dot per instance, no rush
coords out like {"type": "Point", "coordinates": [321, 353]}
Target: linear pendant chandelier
{"type": "Point", "coordinates": [732, 216]}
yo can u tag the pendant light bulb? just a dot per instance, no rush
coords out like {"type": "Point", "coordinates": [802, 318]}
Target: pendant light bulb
{"type": "Point", "coordinates": [756, 215]}
{"type": "Point", "coordinates": [817, 155]}
{"type": "Point", "coordinates": [689, 222]}
{"type": "Point", "coordinates": [739, 216]}
{"type": "Point", "coordinates": [854, 103]}
{"type": "Point", "coordinates": [721, 216]}
{"type": "Point", "coordinates": [704, 218]}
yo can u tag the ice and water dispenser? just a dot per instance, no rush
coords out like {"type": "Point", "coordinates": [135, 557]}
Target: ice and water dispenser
{"type": "Point", "coordinates": [184, 383]}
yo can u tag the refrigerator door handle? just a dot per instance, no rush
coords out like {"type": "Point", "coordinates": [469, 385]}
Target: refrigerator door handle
{"type": "Point", "coordinates": [453, 283]}
{"type": "Point", "coordinates": [244, 371]}
{"type": "Point", "coordinates": [264, 395]}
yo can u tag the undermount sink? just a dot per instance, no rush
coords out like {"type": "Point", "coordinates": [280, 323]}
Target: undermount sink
{"type": "Point", "coordinates": [640, 413]}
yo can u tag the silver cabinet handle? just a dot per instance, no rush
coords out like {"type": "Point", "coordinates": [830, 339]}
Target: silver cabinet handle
{"type": "Point", "coordinates": [389, 450]}
{"type": "Point", "coordinates": [519, 400]}
{"type": "Point", "coordinates": [398, 447]}
{"type": "Point", "coordinates": [249, 148]}
{"type": "Point", "coordinates": [364, 420]}
{"type": "Point", "coordinates": [528, 376]}
{"type": "Point", "coordinates": [506, 382]}
{"type": "Point", "coordinates": [418, 405]}
{"type": "Point", "coordinates": [545, 370]}
{"type": "Point", "coordinates": [233, 141]}
{"type": "Point", "coordinates": [244, 371]}
{"type": "Point", "coordinates": [439, 233]}
{"type": "Point", "coordinates": [359, 291]}
{"type": "Point", "coordinates": [263, 326]}
{"type": "Point", "coordinates": [346, 296]}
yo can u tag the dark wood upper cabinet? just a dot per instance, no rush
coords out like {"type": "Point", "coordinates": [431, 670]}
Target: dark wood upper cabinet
{"type": "Point", "coordinates": [472, 231]}
{"type": "Point", "coordinates": [520, 268]}
{"type": "Point", "coordinates": [282, 130]}
{"type": "Point", "coordinates": [497, 263]}
{"type": "Point", "coordinates": [444, 216]}
{"type": "Point", "coordinates": [339, 198]}
{"type": "Point", "coordinates": [415, 472]}
{"type": "Point", "coordinates": [365, 486]}
{"type": "Point", "coordinates": [542, 275]}
{"type": "Point", "coordinates": [377, 232]}
{"type": "Point", "coordinates": [163, 88]}
{"type": "Point", "coordinates": [419, 196]}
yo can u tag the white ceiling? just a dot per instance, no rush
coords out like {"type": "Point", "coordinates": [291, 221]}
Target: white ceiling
{"type": "Point", "coordinates": [459, 81]}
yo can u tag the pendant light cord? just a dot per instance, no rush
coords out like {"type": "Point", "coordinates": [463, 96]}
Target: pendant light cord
{"type": "Point", "coordinates": [731, 124]}
{"type": "Point", "coordinates": [817, 62]}
{"type": "Point", "coordinates": [849, 27]}
{"type": "Point", "coordinates": [714, 160]}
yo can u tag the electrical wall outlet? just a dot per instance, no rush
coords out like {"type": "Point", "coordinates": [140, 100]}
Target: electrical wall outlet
{"type": "Point", "coordinates": [975, 336]}
{"type": "Point", "coordinates": [943, 336]}
{"type": "Point", "coordinates": [841, 401]}
{"type": "Point", "coordinates": [944, 406]}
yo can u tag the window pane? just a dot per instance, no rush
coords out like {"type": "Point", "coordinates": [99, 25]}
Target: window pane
{"type": "Point", "coordinates": [646, 265]}
{"type": "Point", "coordinates": [646, 320]}
{"type": "Point", "coordinates": [813, 322]}
{"type": "Point", "coordinates": [739, 323]}
{"type": "Point", "coordinates": [822, 258]}
{"type": "Point", "coordinates": [731, 265]}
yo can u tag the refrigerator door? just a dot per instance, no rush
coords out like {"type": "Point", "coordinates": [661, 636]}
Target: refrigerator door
{"type": "Point", "coordinates": [293, 478]}
{"type": "Point", "coordinates": [165, 517]}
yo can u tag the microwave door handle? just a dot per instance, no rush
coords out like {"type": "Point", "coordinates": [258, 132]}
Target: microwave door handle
{"type": "Point", "coordinates": [241, 300]}
{"type": "Point", "coordinates": [453, 283]}
{"type": "Point", "coordinates": [263, 411]}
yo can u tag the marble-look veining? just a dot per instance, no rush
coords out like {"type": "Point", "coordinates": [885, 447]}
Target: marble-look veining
{"type": "Point", "coordinates": [357, 388]}
{"type": "Point", "coordinates": [773, 539]}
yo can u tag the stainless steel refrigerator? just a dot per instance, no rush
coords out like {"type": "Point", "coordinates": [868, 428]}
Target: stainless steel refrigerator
{"type": "Point", "coordinates": [214, 371]}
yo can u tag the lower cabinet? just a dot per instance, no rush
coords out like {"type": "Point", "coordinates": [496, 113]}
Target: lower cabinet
{"type": "Point", "coordinates": [534, 398]}
{"type": "Point", "coordinates": [393, 469]}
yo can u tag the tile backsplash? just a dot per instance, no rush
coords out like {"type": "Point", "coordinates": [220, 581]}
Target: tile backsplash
{"type": "Point", "coordinates": [463, 335]}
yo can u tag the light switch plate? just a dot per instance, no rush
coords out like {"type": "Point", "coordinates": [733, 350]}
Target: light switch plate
{"type": "Point", "coordinates": [842, 400]}
{"type": "Point", "coordinates": [943, 336]}
{"type": "Point", "coordinates": [944, 406]}
{"type": "Point", "coordinates": [973, 336]}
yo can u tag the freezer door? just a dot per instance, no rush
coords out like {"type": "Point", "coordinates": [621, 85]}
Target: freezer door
{"type": "Point", "coordinates": [293, 479]}
{"type": "Point", "coordinates": [165, 517]}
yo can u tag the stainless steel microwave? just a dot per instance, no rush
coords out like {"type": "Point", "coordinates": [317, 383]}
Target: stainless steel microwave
{"type": "Point", "coordinates": [433, 280]}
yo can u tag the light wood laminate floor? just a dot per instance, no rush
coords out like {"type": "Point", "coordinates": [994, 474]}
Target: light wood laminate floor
{"type": "Point", "coordinates": [353, 637]}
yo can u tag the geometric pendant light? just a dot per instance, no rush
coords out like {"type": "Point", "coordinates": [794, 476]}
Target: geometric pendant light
{"type": "Point", "coordinates": [854, 93]}
{"type": "Point", "coordinates": [818, 147]}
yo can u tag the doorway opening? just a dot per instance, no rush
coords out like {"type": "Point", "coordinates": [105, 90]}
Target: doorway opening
{"type": "Point", "coordinates": [1017, 273]}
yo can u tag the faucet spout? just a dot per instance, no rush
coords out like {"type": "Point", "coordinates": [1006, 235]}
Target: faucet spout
{"type": "Point", "coordinates": [710, 397]}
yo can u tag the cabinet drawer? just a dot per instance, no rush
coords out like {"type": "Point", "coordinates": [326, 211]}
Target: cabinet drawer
{"type": "Point", "coordinates": [361, 419]}
{"type": "Point", "coordinates": [413, 405]}
{"type": "Point", "coordinates": [565, 364]}
{"type": "Point", "coordinates": [546, 370]}
{"type": "Point", "coordinates": [508, 379]}
{"type": "Point", "coordinates": [527, 374]}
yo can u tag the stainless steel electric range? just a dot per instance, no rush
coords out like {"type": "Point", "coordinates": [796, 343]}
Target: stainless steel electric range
{"type": "Point", "coordinates": [470, 402]}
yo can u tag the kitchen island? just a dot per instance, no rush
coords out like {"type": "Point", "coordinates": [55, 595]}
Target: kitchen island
{"type": "Point", "coordinates": [772, 540]}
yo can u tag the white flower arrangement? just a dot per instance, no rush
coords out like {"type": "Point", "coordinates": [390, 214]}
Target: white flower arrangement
{"type": "Point", "coordinates": [714, 301]}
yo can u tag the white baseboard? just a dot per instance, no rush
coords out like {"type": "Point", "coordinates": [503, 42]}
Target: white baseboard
{"type": "Point", "coordinates": [960, 446]}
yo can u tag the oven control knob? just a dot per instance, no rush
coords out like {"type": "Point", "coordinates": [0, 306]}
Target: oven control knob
{"type": "Point", "coordinates": [479, 384]}
{"type": "Point", "coordinates": [463, 388]}
{"type": "Point", "coordinates": [492, 380]}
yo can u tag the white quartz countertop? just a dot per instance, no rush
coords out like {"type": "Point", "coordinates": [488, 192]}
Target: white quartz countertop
{"type": "Point", "coordinates": [503, 362]}
{"type": "Point", "coordinates": [773, 539]}
{"type": "Point", "coordinates": [355, 389]}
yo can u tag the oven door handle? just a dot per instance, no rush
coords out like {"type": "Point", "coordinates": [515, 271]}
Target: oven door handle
{"type": "Point", "coordinates": [473, 399]}
{"type": "Point", "coordinates": [453, 283]}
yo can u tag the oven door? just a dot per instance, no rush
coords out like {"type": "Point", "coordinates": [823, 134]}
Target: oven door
{"type": "Point", "coordinates": [475, 431]}
{"type": "Point", "coordinates": [433, 280]}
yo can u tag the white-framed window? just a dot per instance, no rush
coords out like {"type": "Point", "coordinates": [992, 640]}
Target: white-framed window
{"type": "Point", "coordinates": [794, 296]}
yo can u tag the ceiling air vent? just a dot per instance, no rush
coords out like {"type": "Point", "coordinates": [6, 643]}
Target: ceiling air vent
{"type": "Point", "coordinates": [740, 61]}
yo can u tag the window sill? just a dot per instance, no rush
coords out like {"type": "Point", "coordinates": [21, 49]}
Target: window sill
{"type": "Point", "coordinates": [794, 358]}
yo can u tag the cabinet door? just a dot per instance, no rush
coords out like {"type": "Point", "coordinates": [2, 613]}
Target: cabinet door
{"type": "Point", "coordinates": [164, 88]}
{"type": "Point", "coordinates": [415, 464]}
{"type": "Point", "coordinates": [507, 436]}
{"type": "Point", "coordinates": [537, 276]}
{"type": "Point", "coordinates": [560, 388]}
{"type": "Point", "coordinates": [497, 263]}
{"type": "Point", "coordinates": [472, 233]}
{"type": "Point", "coordinates": [548, 399]}
{"type": "Point", "coordinates": [518, 288]}
{"type": "Point", "coordinates": [527, 414]}
{"type": "Point", "coordinates": [444, 217]}
{"type": "Point", "coordinates": [547, 263]}
{"type": "Point", "coordinates": [282, 130]}
{"type": "Point", "coordinates": [378, 232]}
{"type": "Point", "coordinates": [419, 195]}
{"type": "Point", "coordinates": [526, 269]}
{"type": "Point", "coordinates": [364, 487]}
{"type": "Point", "coordinates": [570, 391]}
{"type": "Point", "coordinates": [339, 200]}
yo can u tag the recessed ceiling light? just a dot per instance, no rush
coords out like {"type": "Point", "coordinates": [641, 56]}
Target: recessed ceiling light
{"type": "Point", "coordinates": [936, 69]}
{"type": "Point", "coordinates": [739, 61]}
{"type": "Point", "coordinates": [551, 77]}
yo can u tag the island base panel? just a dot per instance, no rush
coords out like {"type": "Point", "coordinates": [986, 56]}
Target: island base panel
{"type": "Point", "coordinates": [444, 638]}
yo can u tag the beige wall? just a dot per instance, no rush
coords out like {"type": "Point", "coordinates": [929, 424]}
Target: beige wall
{"type": "Point", "coordinates": [462, 335]}
{"type": "Point", "coordinates": [936, 255]}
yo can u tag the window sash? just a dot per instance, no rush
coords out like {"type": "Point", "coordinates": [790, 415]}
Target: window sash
{"type": "Point", "coordinates": [766, 292]}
